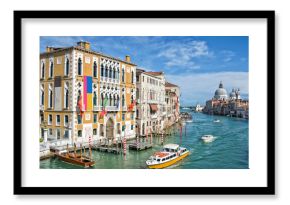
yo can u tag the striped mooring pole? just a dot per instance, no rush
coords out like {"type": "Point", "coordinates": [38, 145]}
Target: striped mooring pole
{"type": "Point", "coordinates": [124, 145]}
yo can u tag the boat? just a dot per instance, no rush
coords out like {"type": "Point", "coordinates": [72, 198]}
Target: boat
{"type": "Point", "coordinates": [216, 121]}
{"type": "Point", "coordinates": [76, 159]}
{"type": "Point", "coordinates": [208, 138]}
{"type": "Point", "coordinates": [170, 154]}
{"type": "Point", "coordinates": [189, 121]}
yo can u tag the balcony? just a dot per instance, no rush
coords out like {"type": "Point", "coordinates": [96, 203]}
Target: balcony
{"type": "Point", "coordinates": [154, 116]}
{"type": "Point", "coordinates": [97, 108]}
{"type": "Point", "coordinates": [112, 108]}
{"type": "Point", "coordinates": [124, 108]}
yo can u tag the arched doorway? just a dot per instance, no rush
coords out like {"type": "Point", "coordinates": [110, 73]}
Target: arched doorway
{"type": "Point", "coordinates": [110, 129]}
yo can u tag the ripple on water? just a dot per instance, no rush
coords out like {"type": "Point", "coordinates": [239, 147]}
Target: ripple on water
{"type": "Point", "coordinates": [228, 151]}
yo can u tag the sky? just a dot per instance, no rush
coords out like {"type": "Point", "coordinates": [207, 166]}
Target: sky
{"type": "Point", "coordinates": [196, 64]}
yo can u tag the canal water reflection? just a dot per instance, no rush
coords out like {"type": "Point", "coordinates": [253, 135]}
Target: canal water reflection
{"type": "Point", "coordinates": [228, 151]}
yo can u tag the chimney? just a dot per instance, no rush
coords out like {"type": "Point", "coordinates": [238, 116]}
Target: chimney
{"type": "Point", "coordinates": [84, 45]}
{"type": "Point", "coordinates": [49, 49]}
{"type": "Point", "coordinates": [128, 59]}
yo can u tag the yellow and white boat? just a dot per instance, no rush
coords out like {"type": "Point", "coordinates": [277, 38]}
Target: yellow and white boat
{"type": "Point", "coordinates": [170, 154]}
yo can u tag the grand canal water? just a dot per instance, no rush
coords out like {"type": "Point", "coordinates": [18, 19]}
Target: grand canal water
{"type": "Point", "coordinates": [228, 151]}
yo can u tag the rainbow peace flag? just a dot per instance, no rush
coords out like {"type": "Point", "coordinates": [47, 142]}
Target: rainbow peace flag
{"type": "Point", "coordinates": [88, 95]}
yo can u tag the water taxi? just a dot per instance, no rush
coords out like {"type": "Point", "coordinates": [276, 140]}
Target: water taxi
{"type": "Point", "coordinates": [170, 154]}
{"type": "Point", "coordinates": [208, 138]}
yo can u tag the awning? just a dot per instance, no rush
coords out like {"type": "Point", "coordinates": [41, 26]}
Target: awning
{"type": "Point", "coordinates": [153, 107]}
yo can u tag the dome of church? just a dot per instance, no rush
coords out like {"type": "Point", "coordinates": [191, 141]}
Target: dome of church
{"type": "Point", "coordinates": [221, 93]}
{"type": "Point", "coordinates": [233, 94]}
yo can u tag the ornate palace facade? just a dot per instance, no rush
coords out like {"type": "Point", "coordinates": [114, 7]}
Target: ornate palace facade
{"type": "Point", "coordinates": [86, 95]}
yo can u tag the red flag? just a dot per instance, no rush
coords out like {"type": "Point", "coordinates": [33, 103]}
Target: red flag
{"type": "Point", "coordinates": [80, 105]}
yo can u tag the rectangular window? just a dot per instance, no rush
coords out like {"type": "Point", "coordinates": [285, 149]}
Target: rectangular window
{"type": "Point", "coordinates": [49, 120]}
{"type": "Point", "coordinates": [58, 134]}
{"type": "Point", "coordinates": [95, 118]}
{"type": "Point", "coordinates": [119, 128]}
{"type": "Point", "coordinates": [57, 120]}
{"type": "Point", "coordinates": [79, 119]}
{"type": "Point", "coordinates": [94, 131]}
{"type": "Point", "coordinates": [50, 131]}
{"type": "Point", "coordinates": [66, 120]}
{"type": "Point", "coordinates": [80, 133]}
{"type": "Point", "coordinates": [123, 117]}
{"type": "Point", "coordinates": [66, 134]}
{"type": "Point", "coordinates": [132, 127]}
{"type": "Point", "coordinates": [132, 116]}
{"type": "Point", "coordinates": [123, 128]}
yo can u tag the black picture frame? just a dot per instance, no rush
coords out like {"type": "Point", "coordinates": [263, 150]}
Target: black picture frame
{"type": "Point", "coordinates": [269, 16]}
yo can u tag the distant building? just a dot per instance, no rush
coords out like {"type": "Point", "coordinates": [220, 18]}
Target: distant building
{"type": "Point", "coordinates": [221, 104]}
{"type": "Point", "coordinates": [151, 110]}
{"type": "Point", "coordinates": [198, 108]}
{"type": "Point", "coordinates": [172, 98]}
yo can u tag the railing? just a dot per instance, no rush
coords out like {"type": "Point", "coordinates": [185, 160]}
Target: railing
{"type": "Point", "coordinates": [97, 108]}
{"type": "Point", "coordinates": [154, 116]}
{"type": "Point", "coordinates": [112, 108]}
{"type": "Point", "coordinates": [110, 80]}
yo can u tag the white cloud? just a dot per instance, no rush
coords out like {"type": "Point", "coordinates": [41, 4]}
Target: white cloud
{"type": "Point", "coordinates": [199, 87]}
{"type": "Point", "coordinates": [183, 54]}
{"type": "Point", "coordinates": [228, 55]}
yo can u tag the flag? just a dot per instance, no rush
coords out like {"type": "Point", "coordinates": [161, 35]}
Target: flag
{"type": "Point", "coordinates": [80, 105]}
{"type": "Point", "coordinates": [88, 87]}
{"type": "Point", "coordinates": [104, 112]}
{"type": "Point", "coordinates": [131, 106]}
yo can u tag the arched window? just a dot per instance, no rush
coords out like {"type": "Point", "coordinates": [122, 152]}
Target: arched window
{"type": "Point", "coordinates": [115, 101]}
{"type": "Point", "coordinates": [137, 93]}
{"type": "Point", "coordinates": [110, 99]}
{"type": "Point", "coordinates": [137, 113]}
{"type": "Point", "coordinates": [118, 101]}
{"type": "Point", "coordinates": [118, 74]}
{"type": "Point", "coordinates": [123, 100]}
{"type": "Point", "coordinates": [42, 96]}
{"type": "Point", "coordinates": [102, 70]}
{"type": "Point", "coordinates": [80, 66]}
{"type": "Point", "coordinates": [114, 73]}
{"type": "Point", "coordinates": [66, 93]}
{"type": "Point", "coordinates": [50, 97]}
{"type": "Point", "coordinates": [123, 75]}
{"type": "Point", "coordinates": [132, 99]}
{"type": "Point", "coordinates": [95, 98]}
{"type": "Point", "coordinates": [66, 71]}
{"type": "Point", "coordinates": [42, 70]}
{"type": "Point", "coordinates": [110, 73]}
{"type": "Point", "coordinates": [132, 77]}
{"type": "Point", "coordinates": [106, 72]}
{"type": "Point", "coordinates": [51, 69]}
{"type": "Point", "coordinates": [95, 69]}
{"type": "Point", "coordinates": [102, 99]}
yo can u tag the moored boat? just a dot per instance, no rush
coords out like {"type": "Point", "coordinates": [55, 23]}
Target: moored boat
{"type": "Point", "coordinates": [170, 154]}
{"type": "Point", "coordinates": [76, 159]}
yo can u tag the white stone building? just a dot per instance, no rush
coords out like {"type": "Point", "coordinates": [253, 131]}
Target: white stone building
{"type": "Point", "coordinates": [150, 109]}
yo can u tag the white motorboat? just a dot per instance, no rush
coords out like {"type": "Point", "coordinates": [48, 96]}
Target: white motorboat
{"type": "Point", "coordinates": [216, 121]}
{"type": "Point", "coordinates": [208, 138]}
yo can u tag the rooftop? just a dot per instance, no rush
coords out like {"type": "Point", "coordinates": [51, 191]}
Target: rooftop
{"type": "Point", "coordinates": [167, 84]}
{"type": "Point", "coordinates": [80, 48]}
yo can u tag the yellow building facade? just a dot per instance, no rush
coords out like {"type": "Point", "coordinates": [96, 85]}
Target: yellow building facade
{"type": "Point", "coordinates": [85, 95]}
